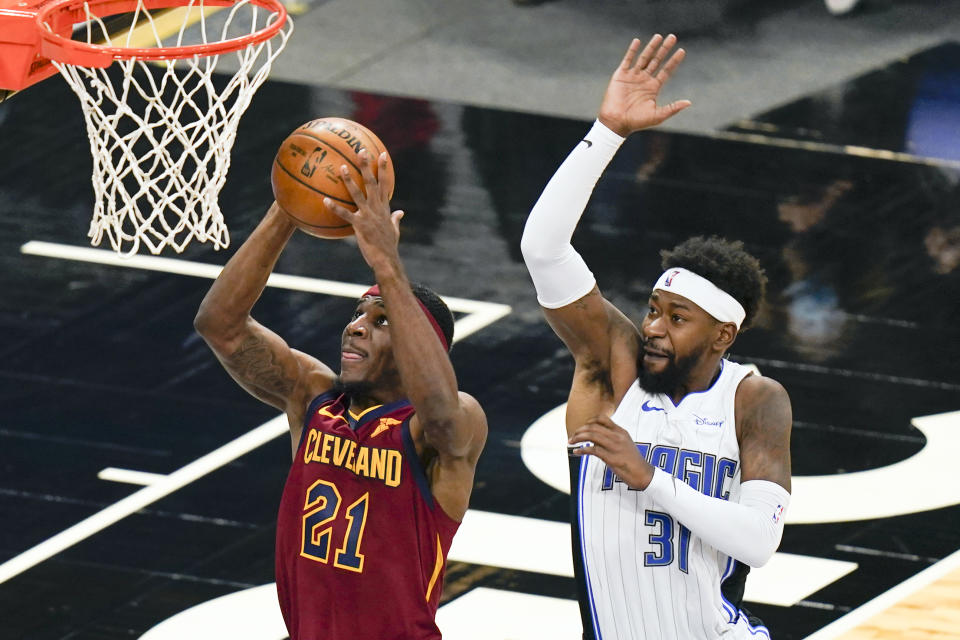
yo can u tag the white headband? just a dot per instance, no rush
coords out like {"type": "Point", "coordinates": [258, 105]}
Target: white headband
{"type": "Point", "coordinates": [703, 293]}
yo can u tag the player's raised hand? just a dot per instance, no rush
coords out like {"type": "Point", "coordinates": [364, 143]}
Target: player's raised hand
{"type": "Point", "coordinates": [377, 228]}
{"type": "Point", "coordinates": [630, 102]}
{"type": "Point", "coordinates": [602, 437]}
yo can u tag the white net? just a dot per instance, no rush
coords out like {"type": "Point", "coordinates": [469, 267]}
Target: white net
{"type": "Point", "coordinates": [161, 132]}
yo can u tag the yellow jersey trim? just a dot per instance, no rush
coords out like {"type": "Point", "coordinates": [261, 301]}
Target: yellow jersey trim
{"type": "Point", "coordinates": [357, 417]}
{"type": "Point", "coordinates": [326, 412]}
{"type": "Point", "coordinates": [436, 568]}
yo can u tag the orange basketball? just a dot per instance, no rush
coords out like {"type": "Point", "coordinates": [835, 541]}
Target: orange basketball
{"type": "Point", "coordinates": [307, 168]}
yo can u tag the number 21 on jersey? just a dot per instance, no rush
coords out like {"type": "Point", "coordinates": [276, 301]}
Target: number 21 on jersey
{"type": "Point", "coordinates": [321, 508]}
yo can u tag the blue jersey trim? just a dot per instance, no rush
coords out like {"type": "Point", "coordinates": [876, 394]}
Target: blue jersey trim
{"type": "Point", "coordinates": [758, 631]}
{"type": "Point", "coordinates": [419, 473]}
{"type": "Point", "coordinates": [583, 550]}
{"type": "Point", "coordinates": [376, 413]}
{"type": "Point", "coordinates": [735, 613]}
{"type": "Point", "coordinates": [312, 408]}
{"type": "Point", "coordinates": [693, 393]}
{"type": "Point", "coordinates": [732, 612]}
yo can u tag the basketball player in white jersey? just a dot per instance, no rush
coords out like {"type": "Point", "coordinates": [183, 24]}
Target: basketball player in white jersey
{"type": "Point", "coordinates": [684, 456]}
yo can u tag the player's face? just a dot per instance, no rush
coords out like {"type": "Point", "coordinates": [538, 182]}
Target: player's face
{"type": "Point", "coordinates": [676, 338]}
{"type": "Point", "coordinates": [366, 355]}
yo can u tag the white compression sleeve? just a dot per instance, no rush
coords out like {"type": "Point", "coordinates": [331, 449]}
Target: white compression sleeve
{"type": "Point", "coordinates": [749, 530]}
{"type": "Point", "coordinates": [559, 274]}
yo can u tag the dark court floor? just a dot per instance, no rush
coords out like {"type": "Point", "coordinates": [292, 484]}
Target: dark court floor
{"type": "Point", "coordinates": [850, 197]}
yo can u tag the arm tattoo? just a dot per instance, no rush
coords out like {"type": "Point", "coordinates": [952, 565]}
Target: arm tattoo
{"type": "Point", "coordinates": [254, 363]}
{"type": "Point", "coordinates": [583, 303]}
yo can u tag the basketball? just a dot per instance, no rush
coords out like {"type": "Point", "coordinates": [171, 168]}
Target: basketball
{"type": "Point", "coordinates": [307, 169]}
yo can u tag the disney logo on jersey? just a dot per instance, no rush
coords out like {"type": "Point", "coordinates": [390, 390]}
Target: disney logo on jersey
{"type": "Point", "coordinates": [707, 422]}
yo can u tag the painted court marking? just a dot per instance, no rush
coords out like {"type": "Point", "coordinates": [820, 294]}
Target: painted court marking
{"type": "Point", "coordinates": [143, 497]}
{"type": "Point", "coordinates": [479, 314]}
{"type": "Point", "coordinates": [128, 476]}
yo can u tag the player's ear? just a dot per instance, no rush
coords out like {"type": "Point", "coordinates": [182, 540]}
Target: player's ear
{"type": "Point", "coordinates": [725, 336]}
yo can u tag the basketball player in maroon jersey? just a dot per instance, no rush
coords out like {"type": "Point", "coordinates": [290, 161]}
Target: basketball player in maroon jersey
{"type": "Point", "coordinates": [383, 453]}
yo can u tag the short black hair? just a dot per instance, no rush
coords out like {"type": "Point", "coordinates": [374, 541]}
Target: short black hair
{"type": "Point", "coordinates": [726, 264]}
{"type": "Point", "coordinates": [437, 308]}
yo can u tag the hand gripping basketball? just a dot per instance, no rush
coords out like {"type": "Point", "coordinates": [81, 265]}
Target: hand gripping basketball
{"type": "Point", "coordinates": [306, 170]}
{"type": "Point", "coordinates": [376, 227]}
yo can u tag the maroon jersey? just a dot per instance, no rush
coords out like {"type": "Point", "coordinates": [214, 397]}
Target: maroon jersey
{"type": "Point", "coordinates": [361, 543]}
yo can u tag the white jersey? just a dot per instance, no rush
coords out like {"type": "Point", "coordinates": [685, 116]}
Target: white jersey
{"type": "Point", "coordinates": [645, 574]}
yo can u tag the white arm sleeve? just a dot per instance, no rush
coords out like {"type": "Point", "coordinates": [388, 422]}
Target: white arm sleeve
{"type": "Point", "coordinates": [559, 274]}
{"type": "Point", "coordinates": [749, 530]}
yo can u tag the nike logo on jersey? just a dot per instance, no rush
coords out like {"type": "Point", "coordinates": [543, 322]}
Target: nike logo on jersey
{"type": "Point", "coordinates": [589, 144]}
{"type": "Point", "coordinates": [646, 406]}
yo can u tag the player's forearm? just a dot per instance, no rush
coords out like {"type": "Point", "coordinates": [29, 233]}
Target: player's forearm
{"type": "Point", "coordinates": [749, 531]}
{"type": "Point", "coordinates": [559, 274]}
{"type": "Point", "coordinates": [238, 287]}
{"type": "Point", "coordinates": [422, 360]}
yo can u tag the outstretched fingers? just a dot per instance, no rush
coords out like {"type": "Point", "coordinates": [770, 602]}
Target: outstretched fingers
{"type": "Point", "coordinates": [648, 52]}
{"type": "Point", "coordinates": [669, 110]}
{"type": "Point", "coordinates": [660, 53]}
{"type": "Point", "coordinates": [672, 63]}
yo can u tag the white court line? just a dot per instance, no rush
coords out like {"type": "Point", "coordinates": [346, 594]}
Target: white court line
{"type": "Point", "coordinates": [144, 478]}
{"type": "Point", "coordinates": [887, 599]}
{"type": "Point", "coordinates": [513, 542]}
{"type": "Point", "coordinates": [148, 495]}
{"type": "Point", "coordinates": [543, 546]}
{"type": "Point", "coordinates": [479, 313]}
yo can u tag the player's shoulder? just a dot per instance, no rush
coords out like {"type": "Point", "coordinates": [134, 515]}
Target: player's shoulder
{"type": "Point", "coordinates": [470, 410]}
{"type": "Point", "coordinates": [476, 419]}
{"type": "Point", "coordinates": [756, 388]}
{"type": "Point", "coordinates": [759, 396]}
{"type": "Point", "coordinates": [471, 406]}
{"type": "Point", "coordinates": [315, 380]}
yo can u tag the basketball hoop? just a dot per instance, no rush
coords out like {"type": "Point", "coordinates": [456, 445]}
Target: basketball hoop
{"type": "Point", "coordinates": [161, 125]}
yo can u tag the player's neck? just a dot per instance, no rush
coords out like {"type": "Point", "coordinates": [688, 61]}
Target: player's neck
{"type": "Point", "coordinates": [361, 401]}
{"type": "Point", "coordinates": [701, 378]}
{"type": "Point", "coordinates": [361, 395]}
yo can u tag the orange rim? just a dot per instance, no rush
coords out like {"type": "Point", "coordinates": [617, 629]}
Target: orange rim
{"type": "Point", "coordinates": [62, 49]}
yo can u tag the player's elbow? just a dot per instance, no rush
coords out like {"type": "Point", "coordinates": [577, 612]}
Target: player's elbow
{"type": "Point", "coordinates": [220, 335]}
{"type": "Point", "coordinates": [758, 557]}
{"type": "Point", "coordinates": [209, 326]}
{"type": "Point", "coordinates": [760, 546]}
{"type": "Point", "coordinates": [455, 433]}
{"type": "Point", "coordinates": [535, 251]}
{"type": "Point", "coordinates": [527, 247]}
{"type": "Point", "coordinates": [443, 436]}
{"type": "Point", "coordinates": [202, 322]}
{"type": "Point", "coordinates": [761, 531]}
